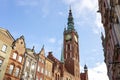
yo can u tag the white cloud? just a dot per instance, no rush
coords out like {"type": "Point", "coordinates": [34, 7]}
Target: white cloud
{"type": "Point", "coordinates": [98, 73]}
{"type": "Point", "coordinates": [98, 28]}
{"type": "Point", "coordinates": [52, 40]}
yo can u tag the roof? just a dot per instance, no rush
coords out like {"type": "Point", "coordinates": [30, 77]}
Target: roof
{"type": "Point", "coordinates": [6, 33]}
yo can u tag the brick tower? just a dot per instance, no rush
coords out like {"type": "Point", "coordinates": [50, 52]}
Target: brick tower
{"type": "Point", "coordinates": [71, 48]}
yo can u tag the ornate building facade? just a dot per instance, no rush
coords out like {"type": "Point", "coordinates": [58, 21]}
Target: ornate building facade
{"type": "Point", "coordinates": [30, 65]}
{"type": "Point", "coordinates": [110, 18]}
{"type": "Point", "coordinates": [16, 60]}
{"type": "Point", "coordinates": [22, 63]}
{"type": "Point", "coordinates": [6, 41]}
{"type": "Point", "coordinates": [68, 68]}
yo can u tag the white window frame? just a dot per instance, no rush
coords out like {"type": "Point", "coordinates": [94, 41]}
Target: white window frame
{"type": "Point", "coordinates": [40, 78]}
{"type": "Point", "coordinates": [14, 56]}
{"type": "Point", "coordinates": [33, 66]}
{"type": "Point", "coordinates": [17, 72]}
{"type": "Point", "coordinates": [38, 69]}
{"type": "Point", "coordinates": [42, 70]}
{"type": "Point", "coordinates": [20, 59]}
{"type": "Point", "coordinates": [11, 68]}
{"type": "Point", "coordinates": [1, 62]}
{"type": "Point", "coordinates": [4, 48]}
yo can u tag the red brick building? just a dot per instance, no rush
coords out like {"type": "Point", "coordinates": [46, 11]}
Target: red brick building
{"type": "Point", "coordinates": [68, 68]}
{"type": "Point", "coordinates": [16, 60]}
{"type": "Point", "coordinates": [110, 18]}
{"type": "Point", "coordinates": [40, 65]}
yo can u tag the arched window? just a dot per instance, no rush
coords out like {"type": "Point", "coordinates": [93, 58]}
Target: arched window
{"type": "Point", "coordinates": [17, 72]}
{"type": "Point", "coordinates": [55, 76]}
{"type": "Point", "coordinates": [58, 77]}
{"type": "Point", "coordinates": [11, 68]}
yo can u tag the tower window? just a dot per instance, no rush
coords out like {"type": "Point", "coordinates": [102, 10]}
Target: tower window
{"type": "Point", "coordinates": [68, 46]}
{"type": "Point", "coordinates": [70, 55]}
{"type": "Point", "coordinates": [66, 55]}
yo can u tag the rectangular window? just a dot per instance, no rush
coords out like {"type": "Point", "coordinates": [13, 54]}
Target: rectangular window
{"type": "Point", "coordinates": [45, 72]}
{"type": "Point", "coordinates": [42, 70]}
{"type": "Point", "coordinates": [1, 61]}
{"type": "Point", "coordinates": [38, 69]}
{"type": "Point", "coordinates": [20, 59]}
{"type": "Point", "coordinates": [14, 55]}
{"type": "Point", "coordinates": [11, 69]}
{"type": "Point", "coordinates": [17, 72]}
{"type": "Point", "coordinates": [28, 63]}
{"type": "Point", "coordinates": [40, 78]}
{"type": "Point", "coordinates": [36, 77]}
{"type": "Point", "coordinates": [4, 48]}
{"type": "Point", "coordinates": [70, 47]}
{"type": "Point", "coordinates": [66, 47]}
{"type": "Point", "coordinates": [49, 74]}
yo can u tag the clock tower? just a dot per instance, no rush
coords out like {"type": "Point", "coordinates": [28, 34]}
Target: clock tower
{"type": "Point", "coordinates": [71, 48]}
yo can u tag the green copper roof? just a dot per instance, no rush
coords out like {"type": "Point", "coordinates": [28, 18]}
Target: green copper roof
{"type": "Point", "coordinates": [62, 56]}
{"type": "Point", "coordinates": [70, 21]}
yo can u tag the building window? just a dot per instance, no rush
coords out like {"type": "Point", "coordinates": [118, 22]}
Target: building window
{"type": "Point", "coordinates": [68, 46]}
{"type": "Point", "coordinates": [11, 69]}
{"type": "Point", "coordinates": [55, 76]}
{"type": "Point", "coordinates": [1, 61]}
{"type": "Point", "coordinates": [25, 74]}
{"type": "Point", "coordinates": [20, 59]}
{"type": "Point", "coordinates": [17, 72]}
{"type": "Point", "coordinates": [42, 70]}
{"type": "Point", "coordinates": [4, 48]}
{"type": "Point", "coordinates": [45, 72]}
{"type": "Point", "coordinates": [70, 55]}
{"type": "Point", "coordinates": [14, 55]}
{"type": "Point", "coordinates": [28, 63]}
{"type": "Point", "coordinates": [40, 59]}
{"type": "Point", "coordinates": [40, 78]}
{"type": "Point", "coordinates": [43, 61]}
{"type": "Point", "coordinates": [38, 69]}
{"type": "Point", "coordinates": [33, 67]}
{"type": "Point", "coordinates": [49, 74]}
{"type": "Point", "coordinates": [36, 77]}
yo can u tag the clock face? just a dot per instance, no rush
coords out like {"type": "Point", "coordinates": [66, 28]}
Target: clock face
{"type": "Point", "coordinates": [76, 38]}
{"type": "Point", "coordinates": [68, 37]}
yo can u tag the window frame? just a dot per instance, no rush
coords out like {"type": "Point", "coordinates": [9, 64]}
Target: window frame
{"type": "Point", "coordinates": [10, 71]}
{"type": "Point", "coordinates": [14, 53]}
{"type": "Point", "coordinates": [16, 74]}
{"type": "Point", "coordinates": [2, 59]}
{"type": "Point", "coordinates": [19, 59]}
{"type": "Point", "coordinates": [4, 48]}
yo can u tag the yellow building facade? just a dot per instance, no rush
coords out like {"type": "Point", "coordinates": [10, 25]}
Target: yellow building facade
{"type": "Point", "coordinates": [6, 41]}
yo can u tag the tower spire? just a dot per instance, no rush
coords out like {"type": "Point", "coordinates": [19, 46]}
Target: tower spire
{"type": "Point", "coordinates": [62, 56]}
{"type": "Point", "coordinates": [70, 20]}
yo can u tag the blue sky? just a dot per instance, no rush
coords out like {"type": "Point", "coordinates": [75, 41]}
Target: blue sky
{"type": "Point", "coordinates": [42, 22]}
